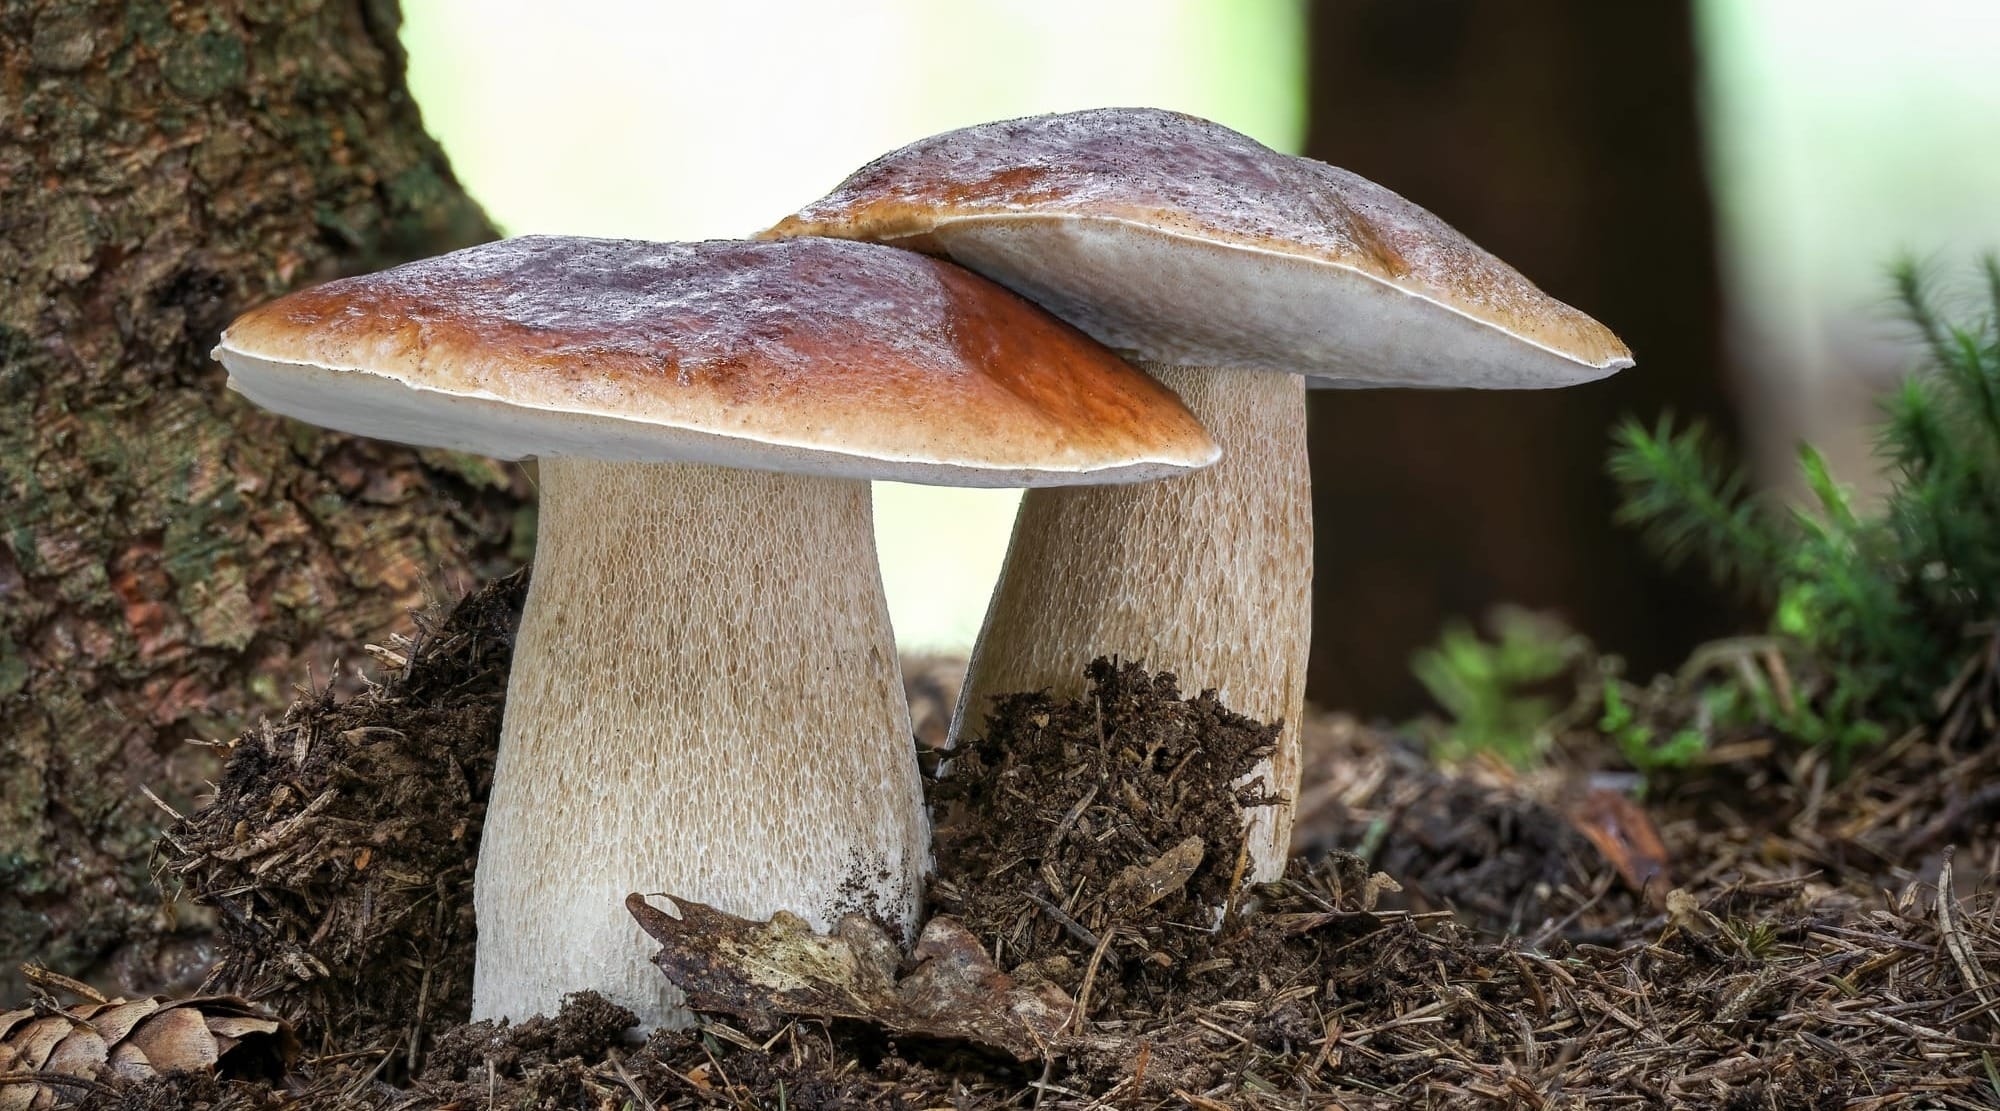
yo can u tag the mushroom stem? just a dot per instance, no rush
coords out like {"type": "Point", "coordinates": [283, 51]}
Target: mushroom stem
{"type": "Point", "coordinates": [1207, 575]}
{"type": "Point", "coordinates": [682, 622]}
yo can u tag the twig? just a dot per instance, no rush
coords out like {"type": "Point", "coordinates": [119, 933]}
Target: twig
{"type": "Point", "coordinates": [48, 979]}
{"type": "Point", "coordinates": [55, 1079]}
{"type": "Point", "coordinates": [1076, 930]}
{"type": "Point", "coordinates": [1069, 820]}
{"type": "Point", "coordinates": [161, 803]}
{"type": "Point", "coordinates": [1954, 942]}
{"type": "Point", "coordinates": [632, 1085]}
{"type": "Point", "coordinates": [1090, 977]}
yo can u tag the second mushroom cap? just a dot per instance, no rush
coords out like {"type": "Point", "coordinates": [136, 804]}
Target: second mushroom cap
{"type": "Point", "coordinates": [1182, 241]}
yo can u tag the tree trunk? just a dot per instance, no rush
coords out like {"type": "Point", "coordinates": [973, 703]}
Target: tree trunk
{"type": "Point", "coordinates": [173, 561]}
{"type": "Point", "coordinates": [1563, 136]}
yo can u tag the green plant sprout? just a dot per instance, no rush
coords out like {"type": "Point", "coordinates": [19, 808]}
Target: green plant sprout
{"type": "Point", "coordinates": [1494, 692]}
{"type": "Point", "coordinates": [1640, 742]}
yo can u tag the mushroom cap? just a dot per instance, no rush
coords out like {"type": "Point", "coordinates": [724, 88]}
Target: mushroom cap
{"type": "Point", "coordinates": [813, 355]}
{"type": "Point", "coordinates": [1179, 240]}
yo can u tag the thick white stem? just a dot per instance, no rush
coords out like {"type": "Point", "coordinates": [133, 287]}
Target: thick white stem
{"type": "Point", "coordinates": [705, 701]}
{"type": "Point", "coordinates": [1207, 575]}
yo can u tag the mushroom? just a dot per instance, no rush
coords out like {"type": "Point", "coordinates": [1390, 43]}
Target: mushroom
{"type": "Point", "coordinates": [1236, 275]}
{"type": "Point", "coordinates": [705, 697]}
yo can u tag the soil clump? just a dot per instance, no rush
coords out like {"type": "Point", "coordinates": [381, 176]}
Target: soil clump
{"type": "Point", "coordinates": [339, 848]}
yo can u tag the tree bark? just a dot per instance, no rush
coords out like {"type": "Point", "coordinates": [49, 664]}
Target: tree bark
{"type": "Point", "coordinates": [173, 561]}
{"type": "Point", "coordinates": [1563, 136]}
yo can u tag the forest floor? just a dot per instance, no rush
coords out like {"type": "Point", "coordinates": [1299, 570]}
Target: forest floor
{"type": "Point", "coordinates": [1758, 932]}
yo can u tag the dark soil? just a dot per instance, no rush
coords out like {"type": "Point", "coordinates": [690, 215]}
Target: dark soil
{"type": "Point", "coordinates": [1072, 818]}
{"type": "Point", "coordinates": [1457, 941]}
{"type": "Point", "coordinates": [341, 841]}
{"type": "Point", "coordinates": [1497, 859]}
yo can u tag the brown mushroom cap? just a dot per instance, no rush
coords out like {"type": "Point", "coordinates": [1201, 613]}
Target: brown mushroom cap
{"type": "Point", "coordinates": [1182, 241]}
{"type": "Point", "coordinates": [812, 355]}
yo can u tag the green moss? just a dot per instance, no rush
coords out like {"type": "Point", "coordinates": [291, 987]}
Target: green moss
{"type": "Point", "coordinates": [1496, 693]}
{"type": "Point", "coordinates": [13, 669]}
{"type": "Point", "coordinates": [21, 539]}
{"type": "Point", "coordinates": [476, 470]}
{"type": "Point", "coordinates": [206, 66]}
{"type": "Point", "coordinates": [418, 189]}
{"type": "Point", "coordinates": [147, 20]}
{"type": "Point", "coordinates": [23, 874]}
{"type": "Point", "coordinates": [341, 223]}
{"type": "Point", "coordinates": [526, 524]}
{"type": "Point", "coordinates": [265, 689]}
{"type": "Point", "coordinates": [17, 378]}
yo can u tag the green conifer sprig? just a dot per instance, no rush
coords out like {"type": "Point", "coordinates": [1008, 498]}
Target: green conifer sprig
{"type": "Point", "coordinates": [1879, 602]}
{"type": "Point", "coordinates": [1691, 505]}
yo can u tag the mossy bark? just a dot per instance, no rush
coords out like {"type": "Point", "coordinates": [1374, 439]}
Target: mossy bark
{"type": "Point", "coordinates": [172, 561]}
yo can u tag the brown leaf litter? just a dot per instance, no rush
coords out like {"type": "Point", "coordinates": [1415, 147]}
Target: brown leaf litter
{"type": "Point", "coordinates": [1456, 942]}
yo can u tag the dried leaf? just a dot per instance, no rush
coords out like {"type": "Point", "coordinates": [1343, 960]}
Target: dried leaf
{"type": "Point", "coordinates": [762, 972]}
{"type": "Point", "coordinates": [1141, 885]}
{"type": "Point", "coordinates": [1622, 831]}
{"type": "Point", "coordinates": [1376, 885]}
{"type": "Point", "coordinates": [957, 991]}
{"type": "Point", "coordinates": [1684, 913]}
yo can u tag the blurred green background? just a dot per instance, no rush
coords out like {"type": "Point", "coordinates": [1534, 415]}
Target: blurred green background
{"type": "Point", "coordinates": [1831, 134]}
{"type": "Point", "coordinates": [1843, 133]}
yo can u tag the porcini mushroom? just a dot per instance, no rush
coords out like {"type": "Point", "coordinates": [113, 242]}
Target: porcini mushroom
{"type": "Point", "coordinates": [1235, 274]}
{"type": "Point", "coordinates": [705, 697]}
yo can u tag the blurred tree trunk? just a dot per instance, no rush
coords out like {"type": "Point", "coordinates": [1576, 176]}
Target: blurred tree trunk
{"type": "Point", "coordinates": [171, 560]}
{"type": "Point", "coordinates": [1563, 136]}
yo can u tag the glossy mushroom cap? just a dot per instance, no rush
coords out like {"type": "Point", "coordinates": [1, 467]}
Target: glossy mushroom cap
{"type": "Point", "coordinates": [813, 355]}
{"type": "Point", "coordinates": [1181, 241]}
